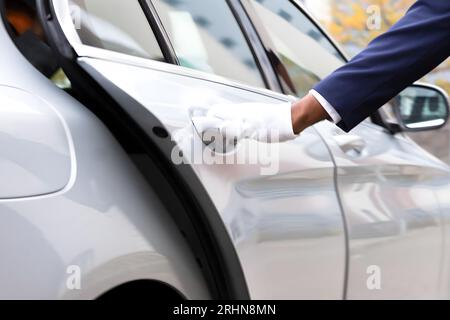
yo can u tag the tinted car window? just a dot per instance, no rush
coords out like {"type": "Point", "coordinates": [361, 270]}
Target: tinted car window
{"type": "Point", "coordinates": [206, 36]}
{"type": "Point", "coordinates": [116, 25]}
{"type": "Point", "coordinates": [305, 53]}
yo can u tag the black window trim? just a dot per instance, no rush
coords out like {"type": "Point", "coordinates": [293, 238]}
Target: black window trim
{"type": "Point", "coordinates": [159, 31]}
{"type": "Point", "coordinates": [256, 44]}
{"type": "Point", "coordinates": [267, 75]}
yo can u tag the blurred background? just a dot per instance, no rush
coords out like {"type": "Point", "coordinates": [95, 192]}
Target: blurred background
{"type": "Point", "coordinates": [354, 23]}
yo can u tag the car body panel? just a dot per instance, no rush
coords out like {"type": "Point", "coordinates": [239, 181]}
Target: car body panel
{"type": "Point", "coordinates": [286, 225]}
{"type": "Point", "coordinates": [387, 186]}
{"type": "Point", "coordinates": [108, 222]}
{"type": "Point", "coordinates": [383, 216]}
{"type": "Point", "coordinates": [442, 191]}
{"type": "Point", "coordinates": [308, 218]}
{"type": "Point", "coordinates": [394, 219]}
{"type": "Point", "coordinates": [30, 129]}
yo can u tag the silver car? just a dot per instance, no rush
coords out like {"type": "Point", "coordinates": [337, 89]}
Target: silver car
{"type": "Point", "coordinates": [100, 193]}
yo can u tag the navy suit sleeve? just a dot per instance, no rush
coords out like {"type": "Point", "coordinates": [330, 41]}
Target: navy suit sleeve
{"type": "Point", "coordinates": [414, 46]}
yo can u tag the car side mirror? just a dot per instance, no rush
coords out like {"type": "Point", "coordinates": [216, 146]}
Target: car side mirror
{"type": "Point", "coordinates": [421, 107]}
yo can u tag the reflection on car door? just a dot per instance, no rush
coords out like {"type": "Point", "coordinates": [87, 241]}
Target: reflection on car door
{"type": "Point", "coordinates": [386, 183]}
{"type": "Point", "coordinates": [387, 186]}
{"type": "Point", "coordinates": [286, 226]}
{"type": "Point", "coordinates": [281, 210]}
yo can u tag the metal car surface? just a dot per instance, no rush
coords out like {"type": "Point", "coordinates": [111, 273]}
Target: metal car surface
{"type": "Point", "coordinates": [309, 220]}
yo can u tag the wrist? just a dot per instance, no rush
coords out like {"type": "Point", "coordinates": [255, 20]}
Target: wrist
{"type": "Point", "coordinates": [307, 112]}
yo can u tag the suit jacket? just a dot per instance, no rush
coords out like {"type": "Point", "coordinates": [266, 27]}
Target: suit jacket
{"type": "Point", "coordinates": [414, 46]}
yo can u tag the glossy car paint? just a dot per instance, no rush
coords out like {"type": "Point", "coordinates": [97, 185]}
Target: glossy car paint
{"type": "Point", "coordinates": [288, 228]}
{"type": "Point", "coordinates": [382, 225]}
{"type": "Point", "coordinates": [388, 186]}
{"type": "Point", "coordinates": [105, 219]}
{"type": "Point", "coordinates": [30, 129]}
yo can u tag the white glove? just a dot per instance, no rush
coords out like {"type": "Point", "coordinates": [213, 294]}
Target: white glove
{"type": "Point", "coordinates": [259, 121]}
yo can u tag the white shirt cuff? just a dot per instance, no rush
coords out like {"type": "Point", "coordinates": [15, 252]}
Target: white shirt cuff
{"type": "Point", "coordinates": [327, 106]}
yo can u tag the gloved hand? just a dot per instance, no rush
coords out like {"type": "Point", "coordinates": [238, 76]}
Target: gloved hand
{"type": "Point", "coordinates": [263, 122]}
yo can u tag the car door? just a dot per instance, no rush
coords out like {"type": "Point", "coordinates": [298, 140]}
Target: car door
{"type": "Point", "coordinates": [277, 202]}
{"type": "Point", "coordinates": [386, 183]}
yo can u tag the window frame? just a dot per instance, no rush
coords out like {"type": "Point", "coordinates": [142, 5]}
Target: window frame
{"type": "Point", "coordinates": [63, 15]}
{"type": "Point", "coordinates": [171, 63]}
{"type": "Point", "coordinates": [159, 31]}
{"type": "Point", "coordinates": [244, 25]}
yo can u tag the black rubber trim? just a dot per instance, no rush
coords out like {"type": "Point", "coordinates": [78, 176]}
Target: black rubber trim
{"type": "Point", "coordinates": [269, 49]}
{"type": "Point", "coordinates": [160, 33]}
{"type": "Point", "coordinates": [255, 45]}
{"type": "Point", "coordinates": [140, 133]}
{"type": "Point", "coordinates": [258, 46]}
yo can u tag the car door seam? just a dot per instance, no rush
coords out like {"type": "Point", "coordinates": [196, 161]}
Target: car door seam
{"type": "Point", "coordinates": [344, 220]}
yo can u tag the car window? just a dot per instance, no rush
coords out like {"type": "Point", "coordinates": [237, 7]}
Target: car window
{"type": "Point", "coordinates": [305, 53]}
{"type": "Point", "coordinates": [206, 36]}
{"type": "Point", "coordinates": [116, 25]}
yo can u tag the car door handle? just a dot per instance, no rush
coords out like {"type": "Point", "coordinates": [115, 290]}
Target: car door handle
{"type": "Point", "coordinates": [350, 143]}
{"type": "Point", "coordinates": [209, 132]}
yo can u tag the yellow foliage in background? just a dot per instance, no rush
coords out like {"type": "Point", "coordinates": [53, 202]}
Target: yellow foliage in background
{"type": "Point", "coordinates": [347, 23]}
